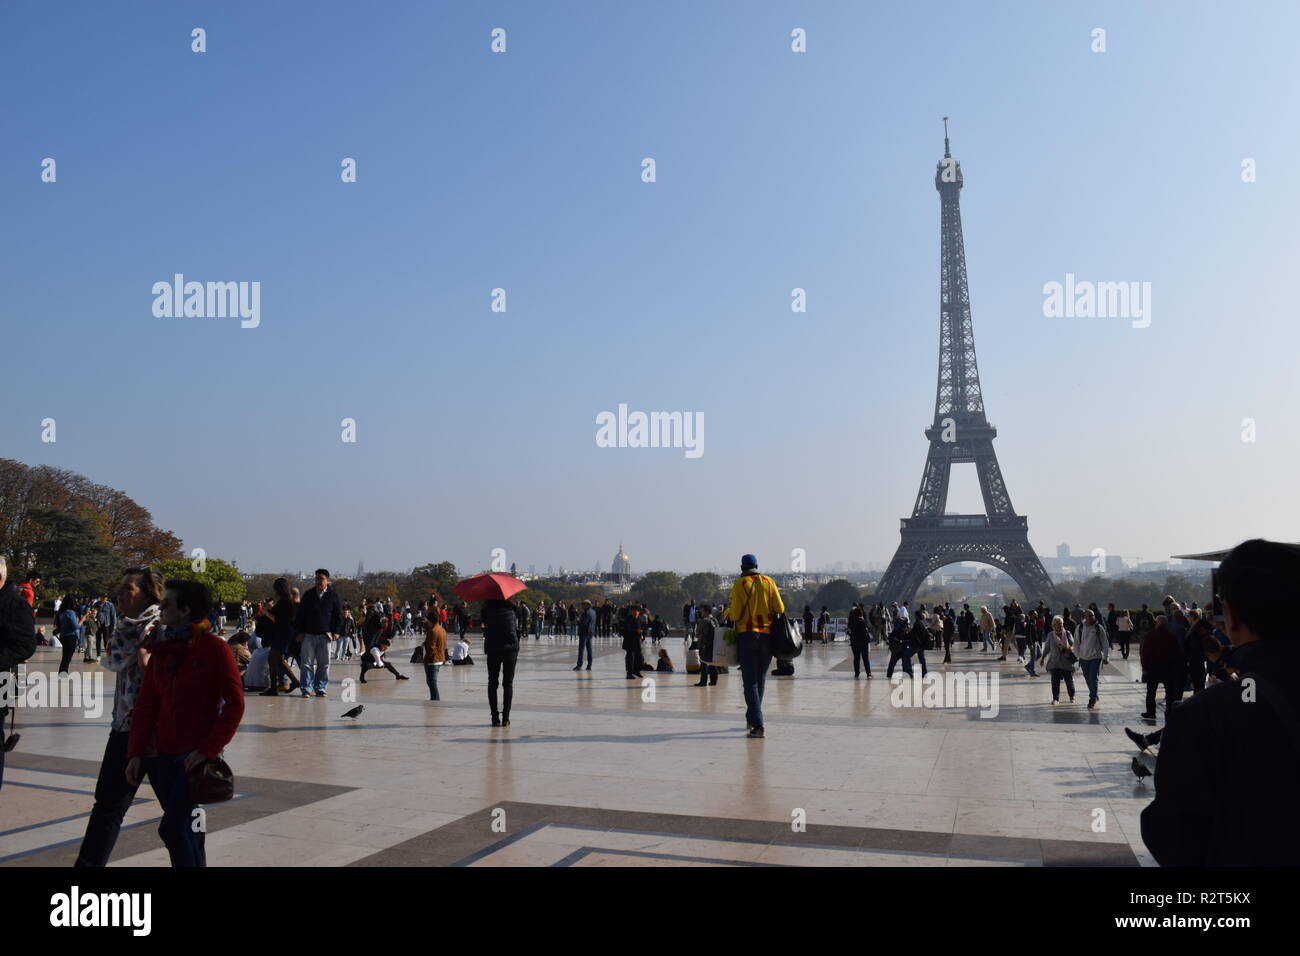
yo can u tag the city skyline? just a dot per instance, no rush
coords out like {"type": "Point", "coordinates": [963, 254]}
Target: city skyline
{"type": "Point", "coordinates": [523, 171]}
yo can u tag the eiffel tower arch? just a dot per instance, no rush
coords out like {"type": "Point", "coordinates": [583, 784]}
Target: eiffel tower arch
{"type": "Point", "coordinates": [960, 434]}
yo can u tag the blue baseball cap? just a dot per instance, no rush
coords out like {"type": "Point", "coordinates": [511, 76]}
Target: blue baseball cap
{"type": "Point", "coordinates": [748, 562]}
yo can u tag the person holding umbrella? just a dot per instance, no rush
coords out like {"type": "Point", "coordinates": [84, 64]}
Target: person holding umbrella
{"type": "Point", "coordinates": [500, 635]}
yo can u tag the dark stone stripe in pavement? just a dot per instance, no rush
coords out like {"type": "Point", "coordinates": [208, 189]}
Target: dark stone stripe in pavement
{"type": "Point", "coordinates": [471, 838]}
{"type": "Point", "coordinates": [257, 797]}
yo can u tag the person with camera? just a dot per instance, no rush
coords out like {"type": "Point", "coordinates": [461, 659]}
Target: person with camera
{"type": "Point", "coordinates": [190, 705]}
{"type": "Point", "coordinates": [900, 649]}
{"type": "Point", "coordinates": [68, 625]}
{"type": "Point", "coordinates": [1227, 778]}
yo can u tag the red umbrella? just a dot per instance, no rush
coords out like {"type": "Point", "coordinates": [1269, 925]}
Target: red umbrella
{"type": "Point", "coordinates": [489, 587]}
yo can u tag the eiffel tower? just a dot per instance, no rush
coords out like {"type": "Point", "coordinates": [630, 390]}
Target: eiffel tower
{"type": "Point", "coordinates": [961, 433]}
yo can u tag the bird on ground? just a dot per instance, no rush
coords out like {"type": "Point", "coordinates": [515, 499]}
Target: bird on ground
{"type": "Point", "coordinates": [1140, 768]}
{"type": "Point", "coordinates": [355, 712]}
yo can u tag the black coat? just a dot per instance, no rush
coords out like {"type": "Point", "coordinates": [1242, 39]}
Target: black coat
{"type": "Point", "coordinates": [858, 630]}
{"type": "Point", "coordinates": [705, 628]}
{"type": "Point", "coordinates": [631, 632]}
{"type": "Point", "coordinates": [17, 628]}
{"type": "Point", "coordinates": [1227, 779]}
{"type": "Point", "coordinates": [499, 628]}
{"type": "Point", "coordinates": [320, 613]}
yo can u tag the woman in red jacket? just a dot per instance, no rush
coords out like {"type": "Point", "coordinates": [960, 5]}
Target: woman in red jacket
{"type": "Point", "coordinates": [189, 706]}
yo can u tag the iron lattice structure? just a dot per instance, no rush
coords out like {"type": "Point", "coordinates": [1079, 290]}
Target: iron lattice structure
{"type": "Point", "coordinates": [960, 434]}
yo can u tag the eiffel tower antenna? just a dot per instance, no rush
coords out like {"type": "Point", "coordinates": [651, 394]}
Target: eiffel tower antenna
{"type": "Point", "coordinates": [960, 434]}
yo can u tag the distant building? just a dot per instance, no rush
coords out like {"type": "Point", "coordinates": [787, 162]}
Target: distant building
{"type": "Point", "coordinates": [622, 565]}
{"type": "Point", "coordinates": [1062, 551]}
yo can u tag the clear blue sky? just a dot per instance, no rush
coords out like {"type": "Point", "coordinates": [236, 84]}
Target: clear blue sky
{"type": "Point", "coordinates": [775, 170]}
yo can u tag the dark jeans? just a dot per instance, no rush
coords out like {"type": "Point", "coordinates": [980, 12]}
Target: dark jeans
{"type": "Point", "coordinates": [632, 660]}
{"type": "Point", "coordinates": [431, 678]}
{"type": "Point", "coordinates": [70, 644]}
{"type": "Point", "coordinates": [1090, 671]}
{"type": "Point", "coordinates": [755, 653]}
{"type": "Point", "coordinates": [920, 657]}
{"type": "Point", "coordinates": [179, 822]}
{"type": "Point", "coordinates": [584, 642]}
{"type": "Point", "coordinates": [1123, 637]}
{"type": "Point", "coordinates": [1196, 674]}
{"type": "Point", "coordinates": [708, 675]}
{"type": "Point", "coordinates": [1173, 679]}
{"type": "Point", "coordinates": [113, 797]}
{"type": "Point", "coordinates": [903, 654]}
{"type": "Point", "coordinates": [1057, 675]}
{"type": "Point", "coordinates": [501, 666]}
{"type": "Point", "coordinates": [860, 657]}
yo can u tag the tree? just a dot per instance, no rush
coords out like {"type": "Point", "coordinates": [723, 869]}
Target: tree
{"type": "Point", "coordinates": [71, 557]}
{"type": "Point", "coordinates": [120, 524]}
{"type": "Point", "coordinates": [223, 579]}
{"type": "Point", "coordinates": [661, 592]}
{"type": "Point", "coordinates": [440, 577]}
{"type": "Point", "coordinates": [838, 595]}
{"type": "Point", "coordinates": [702, 586]}
{"type": "Point", "coordinates": [259, 587]}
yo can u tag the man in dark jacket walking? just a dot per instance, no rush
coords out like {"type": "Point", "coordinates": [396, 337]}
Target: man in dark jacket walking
{"type": "Point", "coordinates": [319, 621]}
{"type": "Point", "coordinates": [1162, 663]}
{"type": "Point", "coordinates": [1228, 775]}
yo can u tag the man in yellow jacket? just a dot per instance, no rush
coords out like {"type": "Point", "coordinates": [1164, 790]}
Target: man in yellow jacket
{"type": "Point", "coordinates": [755, 602]}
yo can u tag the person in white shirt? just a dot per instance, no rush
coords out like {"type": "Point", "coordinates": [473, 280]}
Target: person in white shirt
{"type": "Point", "coordinates": [460, 652]}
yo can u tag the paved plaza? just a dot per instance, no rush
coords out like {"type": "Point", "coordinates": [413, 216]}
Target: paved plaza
{"type": "Point", "coordinates": [592, 774]}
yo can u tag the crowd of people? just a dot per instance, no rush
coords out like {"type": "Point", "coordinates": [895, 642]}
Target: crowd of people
{"type": "Point", "coordinates": [179, 694]}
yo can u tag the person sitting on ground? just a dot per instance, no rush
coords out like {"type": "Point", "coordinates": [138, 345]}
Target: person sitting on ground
{"type": "Point", "coordinates": [665, 665]}
{"type": "Point", "coordinates": [459, 653]}
{"type": "Point", "coordinates": [257, 676]}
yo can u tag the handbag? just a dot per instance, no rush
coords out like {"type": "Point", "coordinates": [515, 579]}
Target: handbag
{"type": "Point", "coordinates": [725, 650]}
{"type": "Point", "coordinates": [212, 781]}
{"type": "Point", "coordinates": [786, 641]}
{"type": "Point", "coordinates": [417, 655]}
